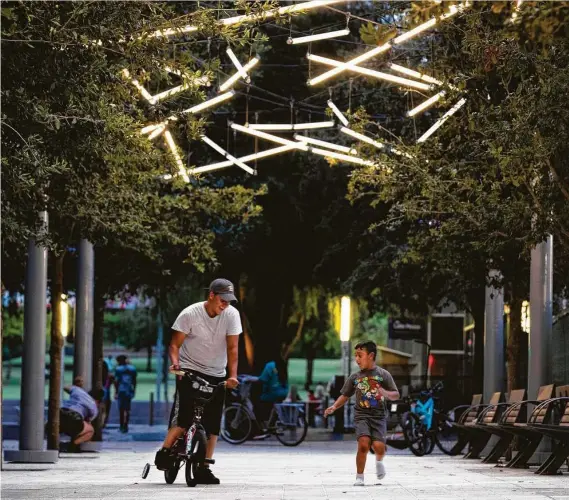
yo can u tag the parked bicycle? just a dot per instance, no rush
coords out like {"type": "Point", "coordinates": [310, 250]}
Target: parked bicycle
{"type": "Point", "coordinates": [287, 421]}
{"type": "Point", "coordinates": [425, 426]}
{"type": "Point", "coordinates": [190, 448]}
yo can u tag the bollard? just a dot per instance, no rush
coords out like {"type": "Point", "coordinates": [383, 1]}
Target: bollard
{"type": "Point", "coordinates": [151, 416]}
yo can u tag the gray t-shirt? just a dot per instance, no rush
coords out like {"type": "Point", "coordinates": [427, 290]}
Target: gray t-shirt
{"type": "Point", "coordinates": [365, 385]}
{"type": "Point", "coordinates": [205, 346]}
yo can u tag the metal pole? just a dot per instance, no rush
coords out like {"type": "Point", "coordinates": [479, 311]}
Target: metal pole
{"type": "Point", "coordinates": [494, 362]}
{"type": "Point", "coordinates": [541, 316]}
{"type": "Point", "coordinates": [159, 342]}
{"type": "Point", "coordinates": [346, 358]}
{"type": "Point", "coordinates": [33, 360]}
{"type": "Point", "coordinates": [82, 365]}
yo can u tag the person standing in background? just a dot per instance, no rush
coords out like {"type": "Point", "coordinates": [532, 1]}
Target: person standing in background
{"type": "Point", "coordinates": [125, 386]}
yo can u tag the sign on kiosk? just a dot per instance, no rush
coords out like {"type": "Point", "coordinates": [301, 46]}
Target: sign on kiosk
{"type": "Point", "coordinates": [401, 328]}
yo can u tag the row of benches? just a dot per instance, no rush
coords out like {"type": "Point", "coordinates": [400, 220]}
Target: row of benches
{"type": "Point", "coordinates": [508, 421]}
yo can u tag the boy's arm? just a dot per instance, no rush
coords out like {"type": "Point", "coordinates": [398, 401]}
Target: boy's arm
{"type": "Point", "coordinates": [389, 391]}
{"type": "Point", "coordinates": [341, 401]}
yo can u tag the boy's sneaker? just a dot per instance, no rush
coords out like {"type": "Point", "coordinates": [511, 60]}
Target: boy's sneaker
{"type": "Point", "coordinates": [205, 476]}
{"type": "Point", "coordinates": [359, 481]}
{"type": "Point", "coordinates": [380, 469]}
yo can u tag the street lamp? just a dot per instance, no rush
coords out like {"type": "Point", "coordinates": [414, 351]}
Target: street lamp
{"type": "Point", "coordinates": [345, 330]}
{"type": "Point", "coordinates": [64, 330]}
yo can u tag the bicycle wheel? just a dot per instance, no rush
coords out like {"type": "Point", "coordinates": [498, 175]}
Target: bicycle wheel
{"type": "Point", "coordinates": [447, 433]}
{"type": "Point", "coordinates": [291, 433]}
{"type": "Point", "coordinates": [416, 435]}
{"type": "Point", "coordinates": [196, 458]}
{"type": "Point", "coordinates": [171, 474]}
{"type": "Point", "coordinates": [236, 424]}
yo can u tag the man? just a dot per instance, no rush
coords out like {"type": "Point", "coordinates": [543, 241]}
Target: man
{"type": "Point", "coordinates": [125, 387]}
{"type": "Point", "coordinates": [205, 339]}
{"type": "Point", "coordinates": [77, 413]}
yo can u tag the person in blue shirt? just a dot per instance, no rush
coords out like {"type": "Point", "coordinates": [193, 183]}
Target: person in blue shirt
{"type": "Point", "coordinates": [275, 388]}
{"type": "Point", "coordinates": [125, 387]}
{"type": "Point", "coordinates": [77, 413]}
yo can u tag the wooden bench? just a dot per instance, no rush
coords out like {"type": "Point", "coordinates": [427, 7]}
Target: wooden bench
{"type": "Point", "coordinates": [558, 431]}
{"type": "Point", "coordinates": [464, 423]}
{"type": "Point", "coordinates": [528, 437]}
{"type": "Point", "coordinates": [479, 437]}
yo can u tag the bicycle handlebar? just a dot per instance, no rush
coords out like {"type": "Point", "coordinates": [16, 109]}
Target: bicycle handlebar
{"type": "Point", "coordinates": [182, 373]}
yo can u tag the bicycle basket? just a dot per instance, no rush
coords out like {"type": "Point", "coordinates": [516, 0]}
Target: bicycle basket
{"type": "Point", "coordinates": [289, 413]}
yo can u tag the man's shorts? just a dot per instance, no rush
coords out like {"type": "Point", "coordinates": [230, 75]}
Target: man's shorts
{"type": "Point", "coordinates": [182, 414]}
{"type": "Point", "coordinates": [124, 400]}
{"type": "Point", "coordinates": [70, 422]}
{"type": "Point", "coordinates": [374, 428]}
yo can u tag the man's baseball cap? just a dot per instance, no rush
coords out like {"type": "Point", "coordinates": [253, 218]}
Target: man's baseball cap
{"type": "Point", "coordinates": [224, 288]}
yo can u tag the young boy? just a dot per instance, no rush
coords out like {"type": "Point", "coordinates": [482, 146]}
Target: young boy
{"type": "Point", "coordinates": [372, 386]}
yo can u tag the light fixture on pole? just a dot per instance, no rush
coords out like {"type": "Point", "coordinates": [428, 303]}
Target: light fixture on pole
{"type": "Point", "coordinates": [63, 330]}
{"type": "Point", "coordinates": [441, 120]}
{"type": "Point", "coordinates": [320, 36]}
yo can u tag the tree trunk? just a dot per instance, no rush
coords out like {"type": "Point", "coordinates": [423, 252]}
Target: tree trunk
{"type": "Point", "coordinates": [55, 354]}
{"type": "Point", "coordinates": [98, 360]}
{"type": "Point", "coordinates": [288, 349]}
{"type": "Point", "coordinates": [514, 345]}
{"type": "Point", "coordinates": [309, 371]}
{"type": "Point", "coordinates": [149, 358]}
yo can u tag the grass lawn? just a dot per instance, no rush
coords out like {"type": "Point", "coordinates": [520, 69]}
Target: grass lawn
{"type": "Point", "coordinates": [324, 369]}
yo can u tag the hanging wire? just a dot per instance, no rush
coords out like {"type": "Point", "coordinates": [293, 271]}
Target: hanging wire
{"type": "Point", "coordinates": [256, 140]}
{"type": "Point", "coordinates": [350, 96]}
{"type": "Point", "coordinates": [291, 110]}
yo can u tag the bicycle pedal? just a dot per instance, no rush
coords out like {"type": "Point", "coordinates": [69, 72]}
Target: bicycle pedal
{"type": "Point", "coordinates": [210, 461]}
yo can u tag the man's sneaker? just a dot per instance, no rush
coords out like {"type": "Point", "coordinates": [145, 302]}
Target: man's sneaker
{"type": "Point", "coordinates": [380, 469]}
{"type": "Point", "coordinates": [205, 476]}
{"type": "Point", "coordinates": [164, 459]}
{"type": "Point", "coordinates": [359, 481]}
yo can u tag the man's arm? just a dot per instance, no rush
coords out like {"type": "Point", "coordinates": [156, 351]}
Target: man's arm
{"type": "Point", "coordinates": [174, 349]}
{"type": "Point", "coordinates": [232, 357]}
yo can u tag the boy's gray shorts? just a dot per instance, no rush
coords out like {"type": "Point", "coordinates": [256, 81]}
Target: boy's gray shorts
{"type": "Point", "coordinates": [374, 428]}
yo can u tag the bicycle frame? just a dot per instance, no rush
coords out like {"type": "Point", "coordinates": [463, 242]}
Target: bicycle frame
{"type": "Point", "coordinates": [424, 411]}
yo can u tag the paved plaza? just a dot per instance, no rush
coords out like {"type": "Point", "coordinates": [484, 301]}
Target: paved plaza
{"type": "Point", "coordinates": [267, 470]}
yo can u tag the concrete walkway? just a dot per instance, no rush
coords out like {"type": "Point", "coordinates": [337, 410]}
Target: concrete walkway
{"type": "Point", "coordinates": [267, 470]}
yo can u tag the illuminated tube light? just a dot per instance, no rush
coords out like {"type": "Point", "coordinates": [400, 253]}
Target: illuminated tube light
{"type": "Point", "coordinates": [237, 65]}
{"type": "Point", "coordinates": [180, 88]}
{"type": "Point", "coordinates": [443, 119]}
{"type": "Point", "coordinates": [383, 48]}
{"type": "Point", "coordinates": [150, 128]}
{"type": "Point", "coordinates": [181, 169]}
{"type": "Point", "coordinates": [339, 156]}
{"type": "Point", "coordinates": [516, 9]}
{"type": "Point", "coordinates": [269, 137]}
{"type": "Point", "coordinates": [137, 84]}
{"type": "Point", "coordinates": [362, 137]}
{"type": "Point", "coordinates": [352, 62]}
{"type": "Point", "coordinates": [321, 36]}
{"type": "Point", "coordinates": [370, 72]}
{"type": "Point", "coordinates": [232, 158]}
{"type": "Point", "coordinates": [325, 144]}
{"type": "Point", "coordinates": [157, 131]}
{"type": "Point", "coordinates": [338, 113]}
{"type": "Point", "coordinates": [400, 153]}
{"type": "Point", "coordinates": [345, 319]}
{"type": "Point", "coordinates": [229, 21]}
{"type": "Point", "coordinates": [256, 156]}
{"type": "Point", "coordinates": [231, 81]}
{"type": "Point", "coordinates": [414, 74]}
{"type": "Point", "coordinates": [210, 103]}
{"type": "Point", "coordinates": [425, 104]}
{"type": "Point", "coordinates": [290, 126]}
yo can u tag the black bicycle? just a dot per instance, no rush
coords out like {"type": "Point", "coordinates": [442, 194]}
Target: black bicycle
{"type": "Point", "coordinates": [190, 448]}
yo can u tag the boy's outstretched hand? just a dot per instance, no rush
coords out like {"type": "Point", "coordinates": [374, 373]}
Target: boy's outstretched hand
{"type": "Point", "coordinates": [328, 411]}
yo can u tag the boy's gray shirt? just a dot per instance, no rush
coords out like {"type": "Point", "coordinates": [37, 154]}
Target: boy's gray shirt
{"type": "Point", "coordinates": [365, 385]}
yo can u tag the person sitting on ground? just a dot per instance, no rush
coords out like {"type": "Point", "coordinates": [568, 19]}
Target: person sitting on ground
{"type": "Point", "coordinates": [373, 386]}
{"type": "Point", "coordinates": [77, 413]}
{"type": "Point", "coordinates": [125, 386]}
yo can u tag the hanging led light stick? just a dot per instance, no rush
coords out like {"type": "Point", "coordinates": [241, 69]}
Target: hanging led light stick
{"type": "Point", "coordinates": [326, 144]}
{"type": "Point", "coordinates": [338, 113]}
{"type": "Point", "coordinates": [291, 126]}
{"type": "Point", "coordinates": [340, 67]}
{"type": "Point", "coordinates": [231, 158]}
{"type": "Point", "coordinates": [516, 9]}
{"type": "Point", "coordinates": [414, 74]}
{"type": "Point", "coordinates": [233, 79]}
{"type": "Point", "coordinates": [237, 65]}
{"type": "Point", "coordinates": [441, 120]}
{"type": "Point", "coordinates": [209, 103]}
{"type": "Point", "coordinates": [174, 150]}
{"type": "Point", "coordinates": [361, 137]}
{"type": "Point", "coordinates": [426, 104]}
{"type": "Point", "coordinates": [320, 36]}
{"type": "Point", "coordinates": [370, 72]}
